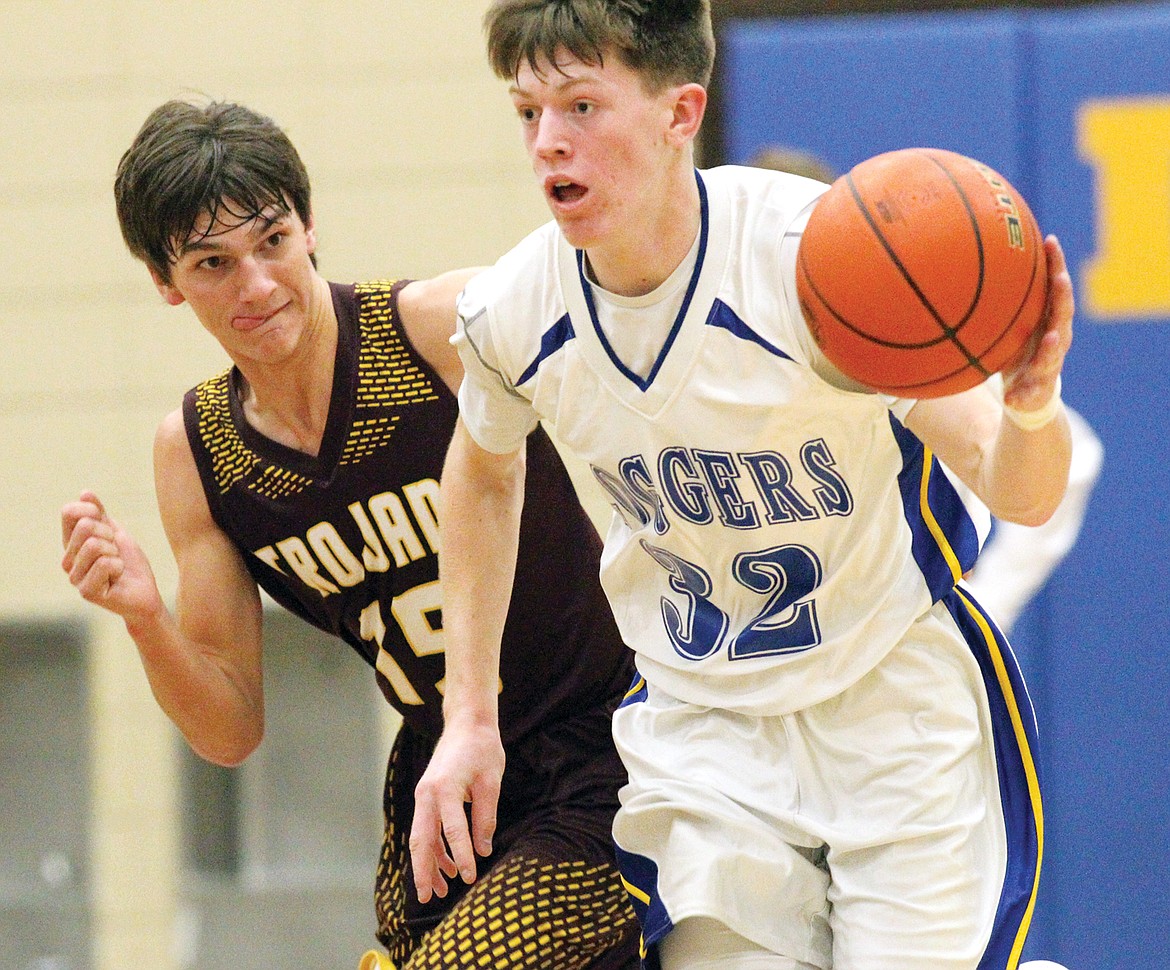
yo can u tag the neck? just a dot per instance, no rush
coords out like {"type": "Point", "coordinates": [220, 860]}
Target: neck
{"type": "Point", "coordinates": [288, 401]}
{"type": "Point", "coordinates": [649, 251]}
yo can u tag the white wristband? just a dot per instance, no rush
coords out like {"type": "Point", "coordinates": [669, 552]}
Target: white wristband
{"type": "Point", "coordinates": [1034, 420]}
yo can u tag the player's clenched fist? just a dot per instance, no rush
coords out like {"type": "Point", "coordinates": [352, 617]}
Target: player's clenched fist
{"type": "Point", "coordinates": [104, 563]}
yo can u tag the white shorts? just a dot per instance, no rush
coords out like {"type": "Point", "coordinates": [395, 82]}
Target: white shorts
{"type": "Point", "coordinates": [896, 826]}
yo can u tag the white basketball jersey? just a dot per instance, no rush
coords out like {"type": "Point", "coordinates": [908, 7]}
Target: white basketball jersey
{"type": "Point", "coordinates": [773, 535]}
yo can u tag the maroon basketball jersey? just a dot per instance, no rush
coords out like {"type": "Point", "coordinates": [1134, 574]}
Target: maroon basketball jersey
{"type": "Point", "coordinates": [348, 539]}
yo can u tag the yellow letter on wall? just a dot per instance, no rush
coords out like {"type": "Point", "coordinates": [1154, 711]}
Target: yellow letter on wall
{"type": "Point", "coordinates": [1128, 143]}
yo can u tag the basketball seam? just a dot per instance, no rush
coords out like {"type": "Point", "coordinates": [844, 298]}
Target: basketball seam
{"type": "Point", "coordinates": [886, 386]}
{"type": "Point", "coordinates": [949, 332]}
{"type": "Point", "coordinates": [996, 346]}
{"type": "Point", "coordinates": [859, 331]}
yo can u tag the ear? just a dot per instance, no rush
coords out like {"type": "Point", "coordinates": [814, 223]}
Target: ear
{"type": "Point", "coordinates": [167, 290]}
{"type": "Point", "coordinates": [311, 234]}
{"type": "Point", "coordinates": [689, 106]}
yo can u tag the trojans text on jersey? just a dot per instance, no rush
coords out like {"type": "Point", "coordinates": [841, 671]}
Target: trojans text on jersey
{"type": "Point", "coordinates": [324, 561]}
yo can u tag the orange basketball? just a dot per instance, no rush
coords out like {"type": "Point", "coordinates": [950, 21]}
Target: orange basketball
{"type": "Point", "coordinates": [921, 273]}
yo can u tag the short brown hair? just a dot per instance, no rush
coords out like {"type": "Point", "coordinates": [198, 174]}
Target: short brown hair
{"type": "Point", "coordinates": [189, 159]}
{"type": "Point", "coordinates": [665, 41]}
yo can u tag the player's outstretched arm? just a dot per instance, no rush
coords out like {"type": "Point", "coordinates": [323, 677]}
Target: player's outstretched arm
{"type": "Point", "coordinates": [203, 665]}
{"type": "Point", "coordinates": [482, 496]}
{"type": "Point", "coordinates": [1014, 455]}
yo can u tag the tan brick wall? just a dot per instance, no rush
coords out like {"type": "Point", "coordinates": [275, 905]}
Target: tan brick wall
{"type": "Point", "coordinates": [417, 167]}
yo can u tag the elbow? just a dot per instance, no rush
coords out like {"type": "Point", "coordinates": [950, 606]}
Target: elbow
{"type": "Point", "coordinates": [1032, 495]}
{"type": "Point", "coordinates": [226, 756]}
{"type": "Point", "coordinates": [1034, 514]}
{"type": "Point", "coordinates": [230, 751]}
{"type": "Point", "coordinates": [1033, 518]}
{"type": "Point", "coordinates": [229, 757]}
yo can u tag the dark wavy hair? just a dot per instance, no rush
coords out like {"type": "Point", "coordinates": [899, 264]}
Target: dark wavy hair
{"type": "Point", "coordinates": [667, 42]}
{"type": "Point", "coordinates": [221, 159]}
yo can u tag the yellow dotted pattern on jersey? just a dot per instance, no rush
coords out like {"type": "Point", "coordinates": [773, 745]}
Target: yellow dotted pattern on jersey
{"type": "Point", "coordinates": [525, 914]}
{"type": "Point", "coordinates": [529, 915]}
{"type": "Point", "coordinates": [276, 482]}
{"type": "Point", "coordinates": [390, 885]}
{"type": "Point", "coordinates": [387, 374]}
{"type": "Point", "coordinates": [387, 378]}
{"type": "Point", "coordinates": [231, 459]}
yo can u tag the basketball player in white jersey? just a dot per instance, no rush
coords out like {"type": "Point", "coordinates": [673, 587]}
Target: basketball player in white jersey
{"type": "Point", "coordinates": [830, 751]}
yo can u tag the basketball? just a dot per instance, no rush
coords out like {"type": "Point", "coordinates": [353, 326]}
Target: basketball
{"type": "Point", "coordinates": [921, 273]}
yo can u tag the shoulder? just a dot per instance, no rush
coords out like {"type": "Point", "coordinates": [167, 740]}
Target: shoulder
{"type": "Point", "coordinates": [765, 185]}
{"type": "Point", "coordinates": [208, 402]}
{"type": "Point", "coordinates": [525, 272]}
{"type": "Point", "coordinates": [182, 501]}
{"type": "Point", "coordinates": [203, 425]}
{"type": "Point", "coordinates": [504, 311]}
{"type": "Point", "coordinates": [421, 299]}
{"type": "Point", "coordinates": [516, 299]}
{"type": "Point", "coordinates": [173, 454]}
{"type": "Point", "coordinates": [761, 196]}
{"type": "Point", "coordinates": [756, 219]}
{"type": "Point", "coordinates": [426, 310]}
{"type": "Point", "coordinates": [171, 435]}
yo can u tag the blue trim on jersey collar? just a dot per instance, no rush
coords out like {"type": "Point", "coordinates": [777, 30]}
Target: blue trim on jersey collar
{"type": "Point", "coordinates": [587, 289]}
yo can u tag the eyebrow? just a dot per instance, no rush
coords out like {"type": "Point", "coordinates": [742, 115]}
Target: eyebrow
{"type": "Point", "coordinates": [565, 85]}
{"type": "Point", "coordinates": [265, 222]}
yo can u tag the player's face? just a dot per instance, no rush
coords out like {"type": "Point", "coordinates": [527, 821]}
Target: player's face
{"type": "Point", "coordinates": [599, 146]}
{"type": "Point", "coordinates": [250, 282]}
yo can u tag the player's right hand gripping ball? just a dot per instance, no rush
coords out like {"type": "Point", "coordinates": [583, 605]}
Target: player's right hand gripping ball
{"type": "Point", "coordinates": [921, 273]}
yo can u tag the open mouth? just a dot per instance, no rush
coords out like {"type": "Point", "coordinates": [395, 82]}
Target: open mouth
{"type": "Point", "coordinates": [564, 191]}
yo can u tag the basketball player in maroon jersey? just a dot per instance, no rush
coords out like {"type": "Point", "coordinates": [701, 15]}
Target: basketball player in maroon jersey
{"type": "Point", "coordinates": [309, 469]}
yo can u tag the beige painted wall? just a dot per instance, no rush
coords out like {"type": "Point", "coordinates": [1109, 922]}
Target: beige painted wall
{"type": "Point", "coordinates": [417, 166]}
